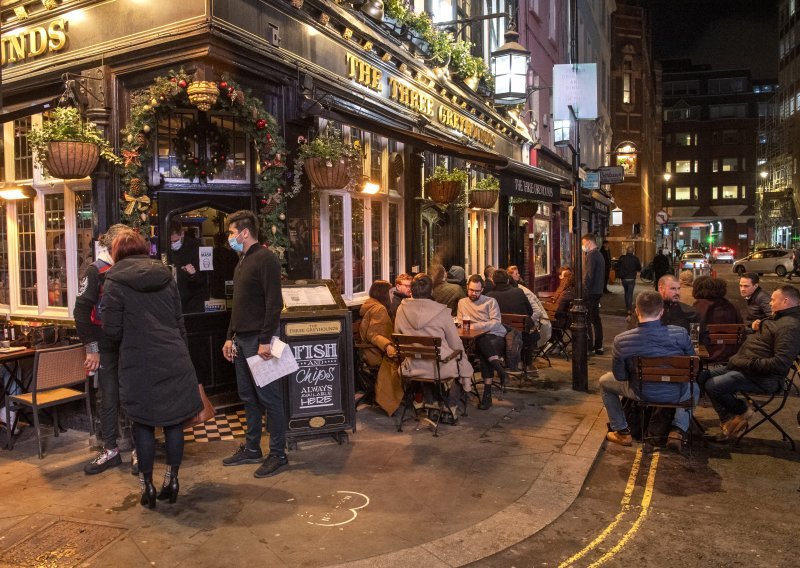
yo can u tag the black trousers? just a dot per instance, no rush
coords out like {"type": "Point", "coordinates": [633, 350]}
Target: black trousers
{"type": "Point", "coordinates": [594, 327]}
{"type": "Point", "coordinates": [145, 437]}
{"type": "Point", "coordinates": [489, 346]}
{"type": "Point", "coordinates": [108, 379]}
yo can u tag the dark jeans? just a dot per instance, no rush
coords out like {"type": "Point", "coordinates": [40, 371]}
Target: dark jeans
{"type": "Point", "coordinates": [594, 326]}
{"type": "Point", "coordinates": [722, 384]}
{"type": "Point", "coordinates": [628, 286]}
{"type": "Point", "coordinates": [108, 379]}
{"type": "Point", "coordinates": [259, 399]}
{"type": "Point", "coordinates": [489, 346]}
{"type": "Point", "coordinates": [145, 437]}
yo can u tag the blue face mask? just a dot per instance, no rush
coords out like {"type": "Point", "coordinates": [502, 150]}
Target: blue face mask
{"type": "Point", "coordinates": [236, 245]}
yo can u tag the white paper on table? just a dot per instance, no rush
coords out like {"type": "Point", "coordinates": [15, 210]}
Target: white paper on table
{"type": "Point", "coordinates": [270, 370]}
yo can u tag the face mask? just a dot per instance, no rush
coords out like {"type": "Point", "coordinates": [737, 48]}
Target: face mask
{"type": "Point", "coordinates": [176, 245]}
{"type": "Point", "coordinates": [235, 245]}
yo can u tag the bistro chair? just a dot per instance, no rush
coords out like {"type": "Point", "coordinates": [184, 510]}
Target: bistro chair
{"type": "Point", "coordinates": [365, 375]}
{"type": "Point", "coordinates": [561, 337]}
{"type": "Point", "coordinates": [680, 369]}
{"type": "Point", "coordinates": [425, 348]}
{"type": "Point", "coordinates": [731, 335]}
{"type": "Point", "coordinates": [55, 370]}
{"type": "Point", "coordinates": [768, 405]}
{"type": "Point", "coordinates": [522, 324]}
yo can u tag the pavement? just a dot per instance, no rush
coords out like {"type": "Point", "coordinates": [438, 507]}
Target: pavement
{"type": "Point", "coordinates": [386, 498]}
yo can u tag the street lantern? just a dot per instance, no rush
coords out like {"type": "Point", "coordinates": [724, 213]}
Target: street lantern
{"type": "Point", "coordinates": [510, 70]}
{"type": "Point", "coordinates": [373, 9]}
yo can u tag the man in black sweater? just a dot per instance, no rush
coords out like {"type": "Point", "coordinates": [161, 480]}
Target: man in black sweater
{"type": "Point", "coordinates": [255, 319]}
{"type": "Point", "coordinates": [593, 284]}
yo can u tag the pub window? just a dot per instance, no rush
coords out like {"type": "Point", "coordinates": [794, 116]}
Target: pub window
{"type": "Point", "coordinates": [481, 239]}
{"type": "Point", "coordinates": [541, 247]}
{"type": "Point", "coordinates": [23, 156]}
{"type": "Point", "coordinates": [357, 237]}
{"type": "Point", "coordinates": [236, 159]}
{"type": "Point", "coordinates": [168, 129]}
{"type": "Point", "coordinates": [43, 239]}
{"type": "Point", "coordinates": [2, 157]}
{"type": "Point", "coordinates": [5, 285]}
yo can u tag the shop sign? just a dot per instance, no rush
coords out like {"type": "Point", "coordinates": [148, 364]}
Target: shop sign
{"type": "Point", "coordinates": [332, 327]}
{"type": "Point", "coordinates": [417, 100]}
{"type": "Point", "coordinates": [611, 174]}
{"type": "Point", "coordinates": [592, 180]}
{"type": "Point", "coordinates": [27, 43]}
{"type": "Point", "coordinates": [529, 189]}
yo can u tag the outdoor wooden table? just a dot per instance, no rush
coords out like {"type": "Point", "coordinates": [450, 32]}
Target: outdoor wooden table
{"type": "Point", "coordinates": [544, 294]}
{"type": "Point", "coordinates": [11, 360]}
{"type": "Point", "coordinates": [702, 351]}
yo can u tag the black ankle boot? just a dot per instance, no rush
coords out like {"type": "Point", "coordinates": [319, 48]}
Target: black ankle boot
{"type": "Point", "coordinates": [501, 372]}
{"type": "Point", "coordinates": [148, 490]}
{"type": "Point", "coordinates": [486, 401]}
{"type": "Point", "coordinates": [171, 486]}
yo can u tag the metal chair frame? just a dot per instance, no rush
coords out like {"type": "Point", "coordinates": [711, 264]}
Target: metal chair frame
{"type": "Point", "coordinates": [761, 401]}
{"type": "Point", "coordinates": [523, 324]}
{"type": "Point", "coordinates": [54, 370]}
{"type": "Point", "coordinates": [421, 347]}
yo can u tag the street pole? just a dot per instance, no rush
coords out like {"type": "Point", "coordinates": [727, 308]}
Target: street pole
{"type": "Point", "coordinates": [580, 369]}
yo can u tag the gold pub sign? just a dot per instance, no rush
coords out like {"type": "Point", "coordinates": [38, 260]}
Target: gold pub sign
{"type": "Point", "coordinates": [33, 41]}
{"type": "Point", "coordinates": [417, 100]}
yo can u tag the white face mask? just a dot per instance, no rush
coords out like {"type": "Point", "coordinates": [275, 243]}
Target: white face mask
{"type": "Point", "coordinates": [176, 245]}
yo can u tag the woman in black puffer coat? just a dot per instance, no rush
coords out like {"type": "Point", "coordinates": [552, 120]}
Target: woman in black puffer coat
{"type": "Point", "coordinates": [141, 312]}
{"type": "Point", "coordinates": [712, 307]}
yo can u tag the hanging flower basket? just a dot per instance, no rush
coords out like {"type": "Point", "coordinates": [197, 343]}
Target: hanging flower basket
{"type": "Point", "coordinates": [483, 198]}
{"type": "Point", "coordinates": [68, 159]}
{"type": "Point", "coordinates": [525, 208]}
{"type": "Point", "coordinates": [327, 174]}
{"type": "Point", "coordinates": [444, 192]}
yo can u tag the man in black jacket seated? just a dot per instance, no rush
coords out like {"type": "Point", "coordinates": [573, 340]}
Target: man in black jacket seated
{"type": "Point", "coordinates": [675, 311]}
{"type": "Point", "coordinates": [759, 366]}
{"type": "Point", "coordinates": [401, 291]}
{"type": "Point", "coordinates": [756, 298]}
{"type": "Point", "coordinates": [512, 300]}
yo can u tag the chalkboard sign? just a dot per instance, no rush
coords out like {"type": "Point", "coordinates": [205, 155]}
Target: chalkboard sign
{"type": "Point", "coordinates": [316, 388]}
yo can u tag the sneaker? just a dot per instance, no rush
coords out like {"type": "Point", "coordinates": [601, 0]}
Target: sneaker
{"type": "Point", "coordinates": [134, 462]}
{"type": "Point", "coordinates": [675, 440]}
{"type": "Point", "coordinates": [622, 438]}
{"type": "Point", "coordinates": [600, 351]}
{"type": "Point", "coordinates": [271, 466]}
{"type": "Point", "coordinates": [243, 456]}
{"type": "Point", "coordinates": [103, 461]}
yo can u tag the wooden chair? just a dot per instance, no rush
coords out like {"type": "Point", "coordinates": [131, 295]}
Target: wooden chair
{"type": "Point", "coordinates": [561, 337]}
{"type": "Point", "coordinates": [420, 347]}
{"type": "Point", "coordinates": [523, 324]}
{"type": "Point", "coordinates": [679, 369]}
{"type": "Point", "coordinates": [54, 371]}
{"type": "Point", "coordinates": [365, 375]}
{"type": "Point", "coordinates": [730, 334]}
{"type": "Point", "coordinates": [768, 405]}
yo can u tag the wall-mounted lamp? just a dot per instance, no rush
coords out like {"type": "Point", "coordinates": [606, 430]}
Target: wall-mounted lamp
{"type": "Point", "coordinates": [14, 193]}
{"type": "Point", "coordinates": [616, 217]}
{"type": "Point", "coordinates": [667, 176]}
{"type": "Point", "coordinates": [369, 187]}
{"type": "Point", "coordinates": [764, 174]}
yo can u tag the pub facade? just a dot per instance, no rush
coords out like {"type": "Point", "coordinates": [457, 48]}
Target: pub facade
{"type": "Point", "coordinates": [312, 67]}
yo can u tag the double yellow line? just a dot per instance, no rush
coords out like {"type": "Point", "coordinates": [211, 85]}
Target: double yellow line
{"type": "Point", "coordinates": [625, 507]}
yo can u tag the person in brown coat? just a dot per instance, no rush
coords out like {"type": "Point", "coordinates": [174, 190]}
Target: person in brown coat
{"type": "Point", "coordinates": [376, 330]}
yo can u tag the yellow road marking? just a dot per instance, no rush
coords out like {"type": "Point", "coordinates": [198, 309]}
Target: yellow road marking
{"type": "Point", "coordinates": [626, 500]}
{"type": "Point", "coordinates": [648, 494]}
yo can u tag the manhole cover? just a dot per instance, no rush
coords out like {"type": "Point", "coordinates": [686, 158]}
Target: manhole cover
{"type": "Point", "coordinates": [63, 543]}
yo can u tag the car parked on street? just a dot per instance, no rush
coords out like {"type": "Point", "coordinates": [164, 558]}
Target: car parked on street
{"type": "Point", "coordinates": [777, 261]}
{"type": "Point", "coordinates": [722, 254]}
{"type": "Point", "coordinates": [693, 261]}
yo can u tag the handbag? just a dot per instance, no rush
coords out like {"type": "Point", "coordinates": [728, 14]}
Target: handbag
{"type": "Point", "coordinates": [206, 414]}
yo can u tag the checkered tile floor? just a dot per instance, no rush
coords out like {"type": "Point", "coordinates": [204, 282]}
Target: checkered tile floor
{"type": "Point", "coordinates": [228, 426]}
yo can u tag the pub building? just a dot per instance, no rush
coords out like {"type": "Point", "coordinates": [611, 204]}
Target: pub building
{"type": "Point", "coordinates": [315, 66]}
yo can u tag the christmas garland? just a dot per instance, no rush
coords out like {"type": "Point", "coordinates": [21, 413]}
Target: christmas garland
{"type": "Point", "coordinates": [169, 93]}
{"type": "Point", "coordinates": [193, 167]}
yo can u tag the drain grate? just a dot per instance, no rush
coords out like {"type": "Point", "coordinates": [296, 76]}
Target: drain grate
{"type": "Point", "coordinates": [60, 544]}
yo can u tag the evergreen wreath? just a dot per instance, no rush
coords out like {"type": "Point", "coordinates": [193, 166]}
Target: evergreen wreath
{"type": "Point", "coordinates": [168, 93]}
{"type": "Point", "coordinates": [193, 167]}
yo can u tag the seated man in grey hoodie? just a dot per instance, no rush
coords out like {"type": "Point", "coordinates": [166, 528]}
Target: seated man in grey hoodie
{"type": "Point", "coordinates": [484, 315]}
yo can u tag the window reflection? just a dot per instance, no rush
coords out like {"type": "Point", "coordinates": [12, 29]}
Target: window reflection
{"type": "Point", "coordinates": [4, 285]}
{"type": "Point", "coordinates": [83, 225]}
{"type": "Point", "coordinates": [335, 206]}
{"type": "Point", "coordinates": [541, 248]}
{"type": "Point", "coordinates": [358, 245]}
{"type": "Point", "coordinates": [26, 237]}
{"type": "Point", "coordinates": [56, 249]}
{"type": "Point", "coordinates": [377, 212]}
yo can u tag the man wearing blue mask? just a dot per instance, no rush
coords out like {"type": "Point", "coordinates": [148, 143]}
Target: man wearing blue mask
{"type": "Point", "coordinates": [184, 254]}
{"type": "Point", "coordinates": [255, 319]}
